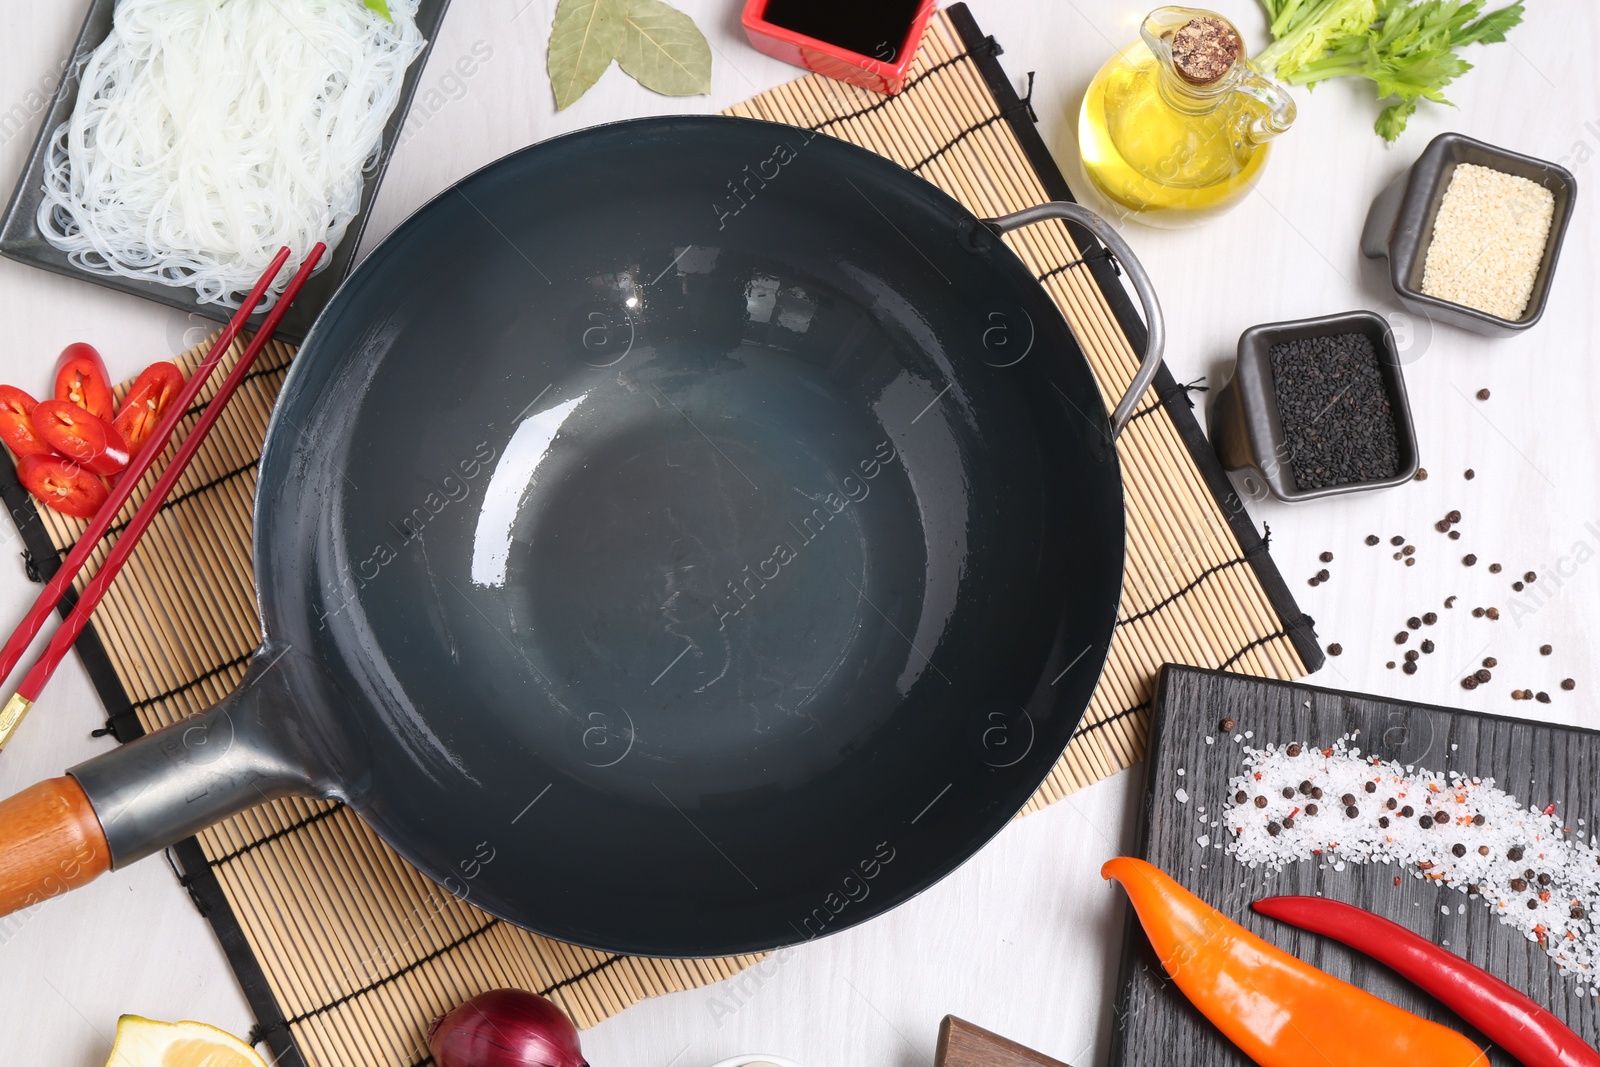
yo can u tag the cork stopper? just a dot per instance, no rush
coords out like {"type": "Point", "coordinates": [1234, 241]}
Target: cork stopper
{"type": "Point", "coordinates": [1204, 49]}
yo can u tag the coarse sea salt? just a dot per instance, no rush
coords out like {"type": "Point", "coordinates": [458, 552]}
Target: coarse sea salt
{"type": "Point", "coordinates": [1515, 859]}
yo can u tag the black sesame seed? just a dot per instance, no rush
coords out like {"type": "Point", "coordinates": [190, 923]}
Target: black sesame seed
{"type": "Point", "coordinates": [1458, 850]}
{"type": "Point", "coordinates": [1335, 411]}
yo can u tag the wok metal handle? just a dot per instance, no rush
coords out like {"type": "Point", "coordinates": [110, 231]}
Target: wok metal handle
{"type": "Point", "coordinates": [1155, 325]}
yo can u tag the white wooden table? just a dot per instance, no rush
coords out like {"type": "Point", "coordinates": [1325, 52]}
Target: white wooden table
{"type": "Point", "coordinates": [1024, 938]}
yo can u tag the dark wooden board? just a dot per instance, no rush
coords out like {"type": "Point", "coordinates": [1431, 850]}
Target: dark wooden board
{"type": "Point", "coordinates": [961, 1044]}
{"type": "Point", "coordinates": [1539, 763]}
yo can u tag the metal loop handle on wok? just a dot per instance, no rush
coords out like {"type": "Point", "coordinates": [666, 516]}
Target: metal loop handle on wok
{"type": "Point", "coordinates": [1155, 325]}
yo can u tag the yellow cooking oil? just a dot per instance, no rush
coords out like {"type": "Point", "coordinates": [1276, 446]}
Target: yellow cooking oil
{"type": "Point", "coordinates": [1171, 139]}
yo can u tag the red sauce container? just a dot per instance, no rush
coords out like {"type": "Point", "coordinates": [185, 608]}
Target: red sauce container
{"type": "Point", "coordinates": [870, 43]}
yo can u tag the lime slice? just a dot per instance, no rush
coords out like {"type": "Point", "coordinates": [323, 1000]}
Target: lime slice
{"type": "Point", "coordinates": [147, 1043]}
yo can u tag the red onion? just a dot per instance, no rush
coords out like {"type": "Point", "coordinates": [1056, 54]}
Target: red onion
{"type": "Point", "coordinates": [505, 1028]}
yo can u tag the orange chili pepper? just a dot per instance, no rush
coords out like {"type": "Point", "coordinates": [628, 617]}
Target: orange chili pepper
{"type": "Point", "coordinates": [1280, 1011]}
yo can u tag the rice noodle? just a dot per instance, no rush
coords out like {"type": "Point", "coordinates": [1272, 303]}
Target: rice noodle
{"type": "Point", "coordinates": [208, 133]}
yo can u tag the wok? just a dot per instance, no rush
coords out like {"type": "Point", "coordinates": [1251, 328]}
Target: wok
{"type": "Point", "coordinates": [684, 537]}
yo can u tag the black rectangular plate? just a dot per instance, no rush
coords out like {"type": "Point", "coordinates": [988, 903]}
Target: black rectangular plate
{"type": "Point", "coordinates": [1539, 763]}
{"type": "Point", "coordinates": [21, 240]}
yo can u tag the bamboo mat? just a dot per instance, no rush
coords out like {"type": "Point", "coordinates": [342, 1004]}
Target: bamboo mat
{"type": "Point", "coordinates": [344, 951]}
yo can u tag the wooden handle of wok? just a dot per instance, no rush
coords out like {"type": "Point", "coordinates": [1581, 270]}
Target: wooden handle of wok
{"type": "Point", "coordinates": [962, 1044]}
{"type": "Point", "coordinates": [50, 842]}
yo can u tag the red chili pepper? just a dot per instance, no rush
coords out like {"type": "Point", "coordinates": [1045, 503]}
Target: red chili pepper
{"type": "Point", "coordinates": [1508, 1018]}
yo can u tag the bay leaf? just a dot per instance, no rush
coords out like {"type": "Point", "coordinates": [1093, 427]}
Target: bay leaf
{"type": "Point", "coordinates": [663, 49]}
{"type": "Point", "coordinates": [585, 37]}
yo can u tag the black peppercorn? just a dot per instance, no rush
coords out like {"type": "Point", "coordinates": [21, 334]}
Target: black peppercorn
{"type": "Point", "coordinates": [1397, 540]}
{"type": "Point", "coordinates": [1568, 684]}
{"type": "Point", "coordinates": [1311, 809]}
{"type": "Point", "coordinates": [1372, 539]}
{"type": "Point", "coordinates": [1545, 650]}
{"type": "Point", "coordinates": [1454, 516]}
{"type": "Point", "coordinates": [1294, 749]}
{"type": "Point", "coordinates": [1542, 697]}
{"type": "Point", "coordinates": [1458, 850]}
{"type": "Point", "coordinates": [1469, 559]}
{"type": "Point", "coordinates": [1518, 885]}
{"type": "Point", "coordinates": [1383, 821]}
{"type": "Point", "coordinates": [1455, 535]}
{"type": "Point", "coordinates": [1427, 646]}
{"type": "Point", "coordinates": [1371, 787]}
{"type": "Point", "coordinates": [1528, 874]}
{"type": "Point", "coordinates": [1490, 661]}
{"type": "Point", "coordinates": [1316, 792]}
{"type": "Point", "coordinates": [1348, 799]}
{"type": "Point", "coordinates": [1422, 474]}
{"type": "Point", "coordinates": [1402, 637]}
{"type": "Point", "coordinates": [1483, 850]}
{"type": "Point", "coordinates": [1472, 890]}
{"type": "Point", "coordinates": [1429, 618]}
{"type": "Point", "coordinates": [1326, 557]}
{"type": "Point", "coordinates": [1336, 649]}
{"type": "Point", "coordinates": [1352, 811]}
{"type": "Point", "coordinates": [1441, 818]}
{"type": "Point", "coordinates": [1479, 820]}
{"type": "Point", "coordinates": [1240, 797]}
{"type": "Point", "coordinates": [1544, 879]}
{"type": "Point", "coordinates": [1305, 788]}
{"type": "Point", "coordinates": [1426, 822]}
{"type": "Point", "coordinates": [1413, 623]}
{"type": "Point", "coordinates": [1483, 394]}
{"type": "Point", "coordinates": [1409, 666]}
{"type": "Point", "coordinates": [1494, 568]}
{"type": "Point", "coordinates": [1391, 803]}
{"type": "Point", "coordinates": [1469, 682]}
{"type": "Point", "coordinates": [1516, 587]}
{"type": "Point", "coordinates": [1409, 550]}
{"type": "Point", "coordinates": [1411, 655]}
{"type": "Point", "coordinates": [1530, 577]}
{"type": "Point", "coordinates": [1482, 674]}
{"type": "Point", "coordinates": [1273, 829]}
{"type": "Point", "coordinates": [1533, 905]}
{"type": "Point", "coordinates": [1261, 802]}
{"type": "Point", "coordinates": [1469, 474]}
{"type": "Point", "coordinates": [1406, 812]}
{"type": "Point", "coordinates": [1226, 726]}
{"type": "Point", "coordinates": [1288, 794]}
{"type": "Point", "coordinates": [1514, 853]}
{"type": "Point", "coordinates": [1288, 822]}
{"type": "Point", "coordinates": [1577, 913]}
{"type": "Point", "coordinates": [1411, 561]}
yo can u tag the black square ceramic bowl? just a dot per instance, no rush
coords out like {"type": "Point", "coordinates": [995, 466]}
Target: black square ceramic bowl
{"type": "Point", "coordinates": [1400, 226]}
{"type": "Point", "coordinates": [1247, 430]}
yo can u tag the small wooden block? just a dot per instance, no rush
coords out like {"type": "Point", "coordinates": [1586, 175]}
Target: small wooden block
{"type": "Point", "coordinates": [963, 1045]}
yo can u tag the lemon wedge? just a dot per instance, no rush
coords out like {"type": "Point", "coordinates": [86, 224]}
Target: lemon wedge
{"type": "Point", "coordinates": [147, 1043]}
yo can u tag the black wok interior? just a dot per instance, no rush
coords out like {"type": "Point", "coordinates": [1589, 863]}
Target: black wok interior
{"type": "Point", "coordinates": [710, 541]}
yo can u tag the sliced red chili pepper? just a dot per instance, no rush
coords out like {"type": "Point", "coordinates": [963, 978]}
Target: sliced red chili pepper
{"type": "Point", "coordinates": [81, 379]}
{"type": "Point", "coordinates": [94, 444]}
{"type": "Point", "coordinates": [1505, 1016]}
{"type": "Point", "coordinates": [146, 402]}
{"type": "Point", "coordinates": [62, 484]}
{"type": "Point", "coordinates": [16, 423]}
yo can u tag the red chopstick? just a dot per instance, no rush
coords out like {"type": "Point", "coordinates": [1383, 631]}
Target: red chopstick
{"type": "Point", "coordinates": [15, 708]}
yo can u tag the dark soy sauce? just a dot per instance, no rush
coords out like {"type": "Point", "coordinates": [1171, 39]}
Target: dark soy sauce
{"type": "Point", "coordinates": [874, 28]}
